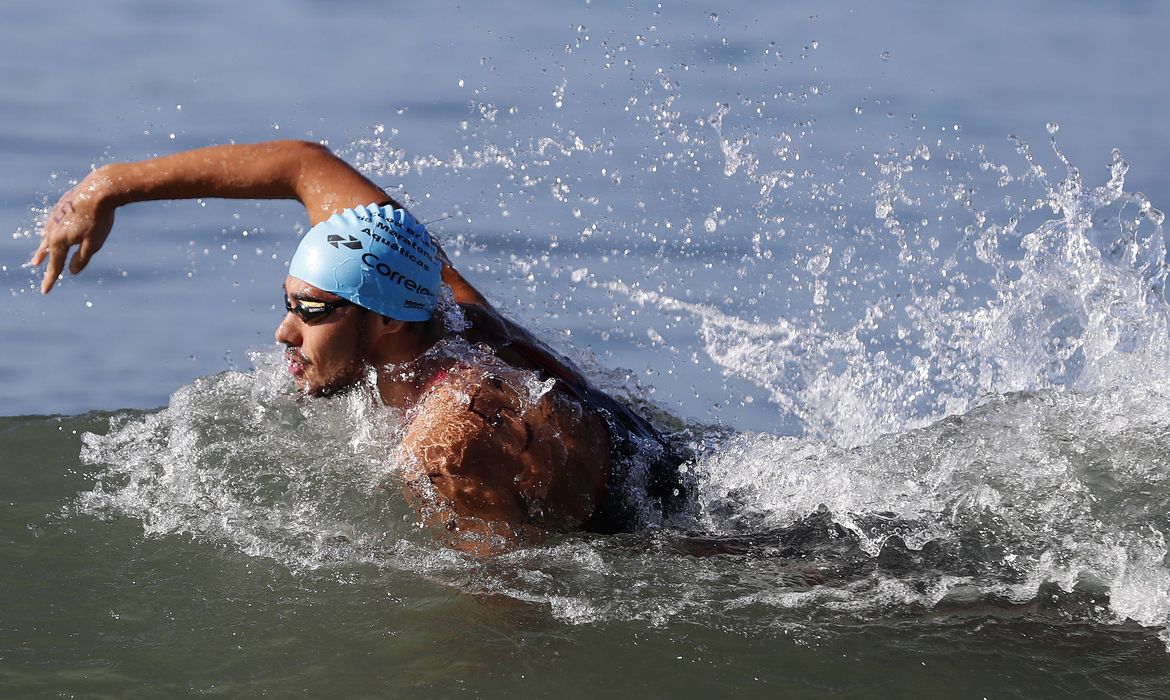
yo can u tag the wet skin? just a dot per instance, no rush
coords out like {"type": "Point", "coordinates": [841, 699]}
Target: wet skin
{"type": "Point", "coordinates": [485, 458]}
{"type": "Point", "coordinates": [326, 354]}
{"type": "Point", "coordinates": [480, 459]}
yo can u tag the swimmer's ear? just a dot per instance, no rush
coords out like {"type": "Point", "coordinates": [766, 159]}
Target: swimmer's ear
{"type": "Point", "coordinates": [384, 335]}
{"type": "Point", "coordinates": [390, 325]}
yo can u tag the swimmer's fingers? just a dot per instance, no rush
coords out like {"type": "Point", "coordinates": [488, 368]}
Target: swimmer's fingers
{"type": "Point", "coordinates": [77, 219]}
{"type": "Point", "coordinates": [91, 242]}
{"type": "Point", "coordinates": [54, 230]}
{"type": "Point", "coordinates": [56, 264]}
{"type": "Point", "coordinates": [49, 235]}
{"type": "Point", "coordinates": [81, 257]}
{"type": "Point", "coordinates": [40, 253]}
{"type": "Point", "coordinates": [54, 247]}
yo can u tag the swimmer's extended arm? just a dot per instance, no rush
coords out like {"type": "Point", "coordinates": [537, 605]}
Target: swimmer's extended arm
{"type": "Point", "coordinates": [298, 170]}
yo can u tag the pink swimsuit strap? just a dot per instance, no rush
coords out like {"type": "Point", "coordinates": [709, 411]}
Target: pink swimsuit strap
{"type": "Point", "coordinates": [440, 377]}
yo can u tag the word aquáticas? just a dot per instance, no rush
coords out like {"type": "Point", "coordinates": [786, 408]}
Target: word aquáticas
{"type": "Point", "coordinates": [403, 244]}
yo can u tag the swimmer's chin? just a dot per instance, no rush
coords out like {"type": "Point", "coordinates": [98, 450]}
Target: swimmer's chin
{"type": "Point", "coordinates": [306, 388]}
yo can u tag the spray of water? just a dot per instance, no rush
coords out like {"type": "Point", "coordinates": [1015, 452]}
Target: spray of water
{"type": "Point", "coordinates": [1019, 451]}
{"type": "Point", "coordinates": [963, 359]}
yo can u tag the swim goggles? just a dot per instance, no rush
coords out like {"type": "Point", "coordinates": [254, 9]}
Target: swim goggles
{"type": "Point", "coordinates": [311, 311]}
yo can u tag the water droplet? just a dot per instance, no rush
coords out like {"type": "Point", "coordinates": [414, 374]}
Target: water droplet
{"type": "Point", "coordinates": [885, 55]}
{"type": "Point", "coordinates": [709, 225]}
{"type": "Point", "coordinates": [1052, 127]}
{"type": "Point", "coordinates": [714, 17]}
{"type": "Point", "coordinates": [461, 82]}
{"type": "Point", "coordinates": [89, 304]}
{"type": "Point", "coordinates": [1154, 215]}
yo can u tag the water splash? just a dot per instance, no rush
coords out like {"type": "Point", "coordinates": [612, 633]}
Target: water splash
{"type": "Point", "coordinates": [234, 459]}
{"type": "Point", "coordinates": [964, 359]}
{"type": "Point", "coordinates": [1029, 499]}
{"type": "Point", "coordinates": [1076, 303]}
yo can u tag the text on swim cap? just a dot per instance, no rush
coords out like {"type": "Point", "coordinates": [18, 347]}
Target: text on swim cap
{"type": "Point", "coordinates": [396, 245]}
{"type": "Point", "coordinates": [385, 270]}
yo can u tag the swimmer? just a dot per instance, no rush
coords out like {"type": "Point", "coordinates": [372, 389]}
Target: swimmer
{"type": "Point", "coordinates": [504, 439]}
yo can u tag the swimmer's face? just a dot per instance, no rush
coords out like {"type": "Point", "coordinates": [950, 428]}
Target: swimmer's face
{"type": "Point", "coordinates": [327, 350]}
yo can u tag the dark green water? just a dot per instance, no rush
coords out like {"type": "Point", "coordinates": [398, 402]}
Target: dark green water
{"type": "Point", "coordinates": [94, 607]}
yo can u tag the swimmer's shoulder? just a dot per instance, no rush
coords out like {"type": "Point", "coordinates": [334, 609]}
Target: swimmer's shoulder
{"type": "Point", "coordinates": [493, 443]}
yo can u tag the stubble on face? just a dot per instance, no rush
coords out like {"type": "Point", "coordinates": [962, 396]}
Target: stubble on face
{"type": "Point", "coordinates": [330, 355]}
{"type": "Point", "coordinates": [349, 364]}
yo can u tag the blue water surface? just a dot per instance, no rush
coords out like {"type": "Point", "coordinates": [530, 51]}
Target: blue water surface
{"type": "Point", "coordinates": [180, 291]}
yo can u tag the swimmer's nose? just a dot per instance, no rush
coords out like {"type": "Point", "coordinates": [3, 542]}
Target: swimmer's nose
{"type": "Point", "coordinates": [288, 333]}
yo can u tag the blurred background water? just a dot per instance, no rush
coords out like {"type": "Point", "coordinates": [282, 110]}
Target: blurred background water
{"type": "Point", "coordinates": [882, 260]}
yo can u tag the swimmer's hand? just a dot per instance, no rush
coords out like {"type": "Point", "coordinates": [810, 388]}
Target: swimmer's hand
{"type": "Point", "coordinates": [81, 218]}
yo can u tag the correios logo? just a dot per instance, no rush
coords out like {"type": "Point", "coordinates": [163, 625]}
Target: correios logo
{"type": "Point", "coordinates": [394, 275]}
{"type": "Point", "coordinates": [335, 240]}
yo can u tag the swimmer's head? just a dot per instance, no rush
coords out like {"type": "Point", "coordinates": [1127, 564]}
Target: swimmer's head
{"type": "Point", "coordinates": [376, 257]}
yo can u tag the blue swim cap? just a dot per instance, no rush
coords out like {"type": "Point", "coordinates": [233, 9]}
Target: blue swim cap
{"type": "Point", "coordinates": [377, 257]}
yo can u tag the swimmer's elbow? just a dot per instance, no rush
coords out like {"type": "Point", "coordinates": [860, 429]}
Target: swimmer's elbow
{"type": "Point", "coordinates": [308, 149]}
{"type": "Point", "coordinates": [326, 184]}
{"type": "Point", "coordinates": [295, 147]}
{"type": "Point", "coordinates": [313, 161]}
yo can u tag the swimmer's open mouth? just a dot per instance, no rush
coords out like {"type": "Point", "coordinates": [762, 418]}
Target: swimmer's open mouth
{"type": "Point", "coordinates": [296, 361]}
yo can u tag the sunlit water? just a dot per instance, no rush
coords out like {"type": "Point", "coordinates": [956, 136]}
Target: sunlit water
{"type": "Point", "coordinates": [924, 378]}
